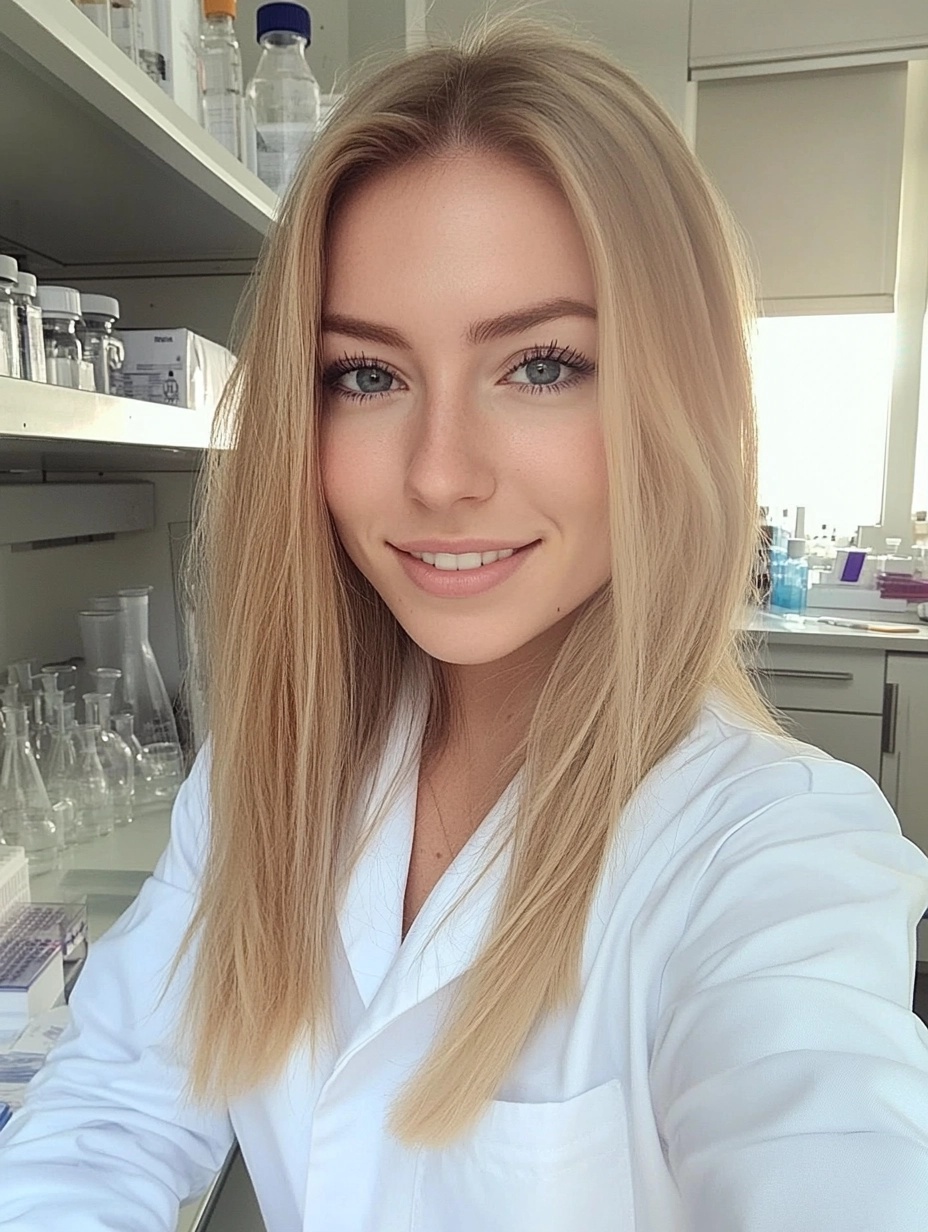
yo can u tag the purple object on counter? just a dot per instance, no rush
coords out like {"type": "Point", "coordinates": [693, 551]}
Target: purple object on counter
{"type": "Point", "coordinates": [853, 566]}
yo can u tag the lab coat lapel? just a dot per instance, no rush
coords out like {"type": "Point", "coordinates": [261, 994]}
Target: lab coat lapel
{"type": "Point", "coordinates": [393, 975]}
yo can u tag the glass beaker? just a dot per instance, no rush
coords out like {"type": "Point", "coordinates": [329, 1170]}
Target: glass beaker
{"type": "Point", "coordinates": [102, 639]}
{"type": "Point", "coordinates": [115, 756]}
{"type": "Point", "coordinates": [95, 799]}
{"type": "Point", "coordinates": [145, 692]}
{"type": "Point", "coordinates": [162, 771]}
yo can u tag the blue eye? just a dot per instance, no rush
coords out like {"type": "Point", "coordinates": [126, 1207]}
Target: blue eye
{"type": "Point", "coordinates": [551, 369]}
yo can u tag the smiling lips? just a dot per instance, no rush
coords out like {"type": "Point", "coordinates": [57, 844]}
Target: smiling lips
{"type": "Point", "coordinates": [460, 574]}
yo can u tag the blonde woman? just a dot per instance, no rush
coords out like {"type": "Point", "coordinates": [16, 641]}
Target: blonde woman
{"type": "Point", "coordinates": [496, 901]}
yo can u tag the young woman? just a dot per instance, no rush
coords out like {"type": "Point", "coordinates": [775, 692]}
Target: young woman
{"type": "Point", "coordinates": [496, 902]}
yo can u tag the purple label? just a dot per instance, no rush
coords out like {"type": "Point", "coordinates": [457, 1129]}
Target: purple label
{"type": "Point", "coordinates": [853, 566]}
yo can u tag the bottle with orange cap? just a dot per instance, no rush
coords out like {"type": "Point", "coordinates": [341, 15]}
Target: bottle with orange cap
{"type": "Point", "coordinates": [220, 76]}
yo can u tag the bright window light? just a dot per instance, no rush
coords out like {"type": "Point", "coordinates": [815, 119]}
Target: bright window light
{"type": "Point", "coordinates": [822, 386]}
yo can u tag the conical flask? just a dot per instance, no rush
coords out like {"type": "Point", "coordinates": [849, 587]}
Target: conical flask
{"type": "Point", "coordinates": [23, 797]}
{"type": "Point", "coordinates": [115, 756]}
{"type": "Point", "coordinates": [62, 773]}
{"type": "Point", "coordinates": [145, 694]}
{"type": "Point", "coordinates": [94, 797]}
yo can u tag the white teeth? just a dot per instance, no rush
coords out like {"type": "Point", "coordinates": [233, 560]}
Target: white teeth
{"type": "Point", "coordinates": [466, 560]}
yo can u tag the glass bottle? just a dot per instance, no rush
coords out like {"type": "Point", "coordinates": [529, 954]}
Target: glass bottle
{"type": "Point", "coordinates": [9, 325]}
{"type": "Point", "coordinates": [282, 101]}
{"type": "Point", "coordinates": [61, 310]}
{"type": "Point", "coordinates": [95, 799]}
{"type": "Point", "coordinates": [125, 27]}
{"type": "Point", "coordinates": [62, 774]}
{"type": "Point", "coordinates": [102, 349]}
{"type": "Point", "coordinates": [99, 13]}
{"type": "Point", "coordinates": [29, 320]}
{"type": "Point", "coordinates": [145, 692]}
{"type": "Point", "coordinates": [115, 756]}
{"type": "Point", "coordinates": [219, 72]}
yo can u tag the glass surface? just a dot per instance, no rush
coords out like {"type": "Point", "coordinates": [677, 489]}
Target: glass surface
{"type": "Point", "coordinates": [162, 770]}
{"type": "Point", "coordinates": [145, 693]}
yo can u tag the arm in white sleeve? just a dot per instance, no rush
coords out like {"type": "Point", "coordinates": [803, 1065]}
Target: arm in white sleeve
{"type": "Point", "coordinates": [789, 1074]}
{"type": "Point", "coordinates": [106, 1139]}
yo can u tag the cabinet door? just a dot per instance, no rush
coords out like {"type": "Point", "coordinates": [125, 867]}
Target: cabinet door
{"type": "Point", "coordinates": [904, 776]}
{"type": "Point", "coordinates": [854, 738]}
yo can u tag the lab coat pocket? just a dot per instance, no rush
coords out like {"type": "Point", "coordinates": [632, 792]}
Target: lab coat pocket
{"type": "Point", "coordinates": [553, 1167]}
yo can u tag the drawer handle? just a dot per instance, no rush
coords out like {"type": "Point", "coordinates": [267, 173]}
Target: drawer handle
{"type": "Point", "coordinates": [890, 712]}
{"type": "Point", "coordinates": [795, 673]}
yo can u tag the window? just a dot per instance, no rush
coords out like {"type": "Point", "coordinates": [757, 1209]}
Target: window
{"type": "Point", "coordinates": [822, 387]}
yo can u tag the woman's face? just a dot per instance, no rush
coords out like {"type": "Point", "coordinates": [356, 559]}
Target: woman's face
{"type": "Point", "coordinates": [460, 410]}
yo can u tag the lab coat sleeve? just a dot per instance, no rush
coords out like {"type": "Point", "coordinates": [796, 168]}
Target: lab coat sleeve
{"type": "Point", "coordinates": [789, 1075]}
{"type": "Point", "coordinates": [106, 1139]}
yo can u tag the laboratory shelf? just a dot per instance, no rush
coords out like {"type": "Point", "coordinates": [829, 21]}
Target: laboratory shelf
{"type": "Point", "coordinates": [100, 166]}
{"type": "Point", "coordinates": [90, 431]}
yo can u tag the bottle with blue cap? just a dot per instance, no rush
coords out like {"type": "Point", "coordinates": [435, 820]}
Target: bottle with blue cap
{"type": "Point", "coordinates": [282, 99]}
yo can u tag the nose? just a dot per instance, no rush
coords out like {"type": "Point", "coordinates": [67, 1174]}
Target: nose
{"type": "Point", "coordinates": [451, 456]}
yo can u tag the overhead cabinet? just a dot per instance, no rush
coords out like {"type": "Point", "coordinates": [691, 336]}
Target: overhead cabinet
{"type": "Point", "coordinates": [732, 32]}
{"type": "Point", "coordinates": [811, 166]}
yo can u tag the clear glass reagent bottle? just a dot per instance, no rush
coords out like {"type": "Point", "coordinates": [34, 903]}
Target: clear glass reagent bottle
{"type": "Point", "coordinates": [100, 345]}
{"type": "Point", "coordinates": [61, 311]}
{"type": "Point", "coordinates": [219, 68]}
{"type": "Point", "coordinates": [31, 339]}
{"type": "Point", "coordinates": [10, 364]}
{"type": "Point", "coordinates": [282, 102]}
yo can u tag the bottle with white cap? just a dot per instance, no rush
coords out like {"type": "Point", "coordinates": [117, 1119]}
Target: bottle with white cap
{"type": "Point", "coordinates": [29, 318]}
{"type": "Point", "coordinates": [61, 311]}
{"type": "Point", "coordinates": [9, 327]}
{"type": "Point", "coordinates": [102, 349]}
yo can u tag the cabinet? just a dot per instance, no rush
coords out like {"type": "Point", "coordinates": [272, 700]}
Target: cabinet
{"type": "Point", "coordinates": [754, 31]}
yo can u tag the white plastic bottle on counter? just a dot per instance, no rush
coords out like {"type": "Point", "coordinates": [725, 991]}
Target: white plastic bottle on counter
{"type": "Point", "coordinates": [9, 326]}
{"type": "Point", "coordinates": [61, 310]}
{"type": "Point", "coordinates": [282, 101]}
{"type": "Point", "coordinates": [29, 317]}
{"type": "Point", "coordinates": [219, 66]}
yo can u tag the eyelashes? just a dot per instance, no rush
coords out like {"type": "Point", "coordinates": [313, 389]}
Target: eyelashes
{"type": "Point", "coordinates": [579, 365]}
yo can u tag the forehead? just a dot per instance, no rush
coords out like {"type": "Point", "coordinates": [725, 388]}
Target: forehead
{"type": "Point", "coordinates": [471, 226]}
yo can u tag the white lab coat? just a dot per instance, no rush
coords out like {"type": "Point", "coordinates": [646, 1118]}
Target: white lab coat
{"type": "Point", "coordinates": [742, 1056]}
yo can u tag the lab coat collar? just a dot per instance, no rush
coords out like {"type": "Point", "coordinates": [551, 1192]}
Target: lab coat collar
{"type": "Point", "coordinates": [393, 975]}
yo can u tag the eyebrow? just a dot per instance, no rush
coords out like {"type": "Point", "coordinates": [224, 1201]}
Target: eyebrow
{"type": "Point", "coordinates": [502, 326]}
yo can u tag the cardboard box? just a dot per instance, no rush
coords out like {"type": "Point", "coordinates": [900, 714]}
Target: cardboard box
{"type": "Point", "coordinates": [174, 366]}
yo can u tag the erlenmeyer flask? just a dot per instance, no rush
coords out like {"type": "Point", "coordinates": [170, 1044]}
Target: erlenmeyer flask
{"type": "Point", "coordinates": [95, 800]}
{"type": "Point", "coordinates": [142, 787]}
{"type": "Point", "coordinates": [145, 693]}
{"type": "Point", "coordinates": [115, 756]}
{"type": "Point", "coordinates": [22, 792]}
{"type": "Point", "coordinates": [61, 776]}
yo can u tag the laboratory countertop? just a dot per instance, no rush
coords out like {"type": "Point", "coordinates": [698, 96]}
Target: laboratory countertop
{"type": "Point", "coordinates": [806, 631]}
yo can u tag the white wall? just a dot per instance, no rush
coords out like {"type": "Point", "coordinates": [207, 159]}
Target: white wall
{"type": "Point", "coordinates": [649, 37]}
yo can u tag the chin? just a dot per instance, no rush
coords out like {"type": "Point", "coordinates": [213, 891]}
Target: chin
{"type": "Point", "coordinates": [468, 648]}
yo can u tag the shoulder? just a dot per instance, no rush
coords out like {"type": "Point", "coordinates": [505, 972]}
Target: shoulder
{"type": "Point", "coordinates": [726, 776]}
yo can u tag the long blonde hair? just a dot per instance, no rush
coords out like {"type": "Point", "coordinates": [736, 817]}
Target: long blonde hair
{"type": "Point", "coordinates": [303, 662]}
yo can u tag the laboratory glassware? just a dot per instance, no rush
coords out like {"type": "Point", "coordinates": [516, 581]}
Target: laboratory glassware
{"type": "Point", "coordinates": [219, 72]}
{"type": "Point", "coordinates": [102, 638]}
{"type": "Point", "coordinates": [61, 772]}
{"type": "Point", "coordinates": [9, 325]}
{"type": "Point", "coordinates": [99, 13]}
{"type": "Point", "coordinates": [36, 831]}
{"type": "Point", "coordinates": [145, 692]}
{"type": "Point", "coordinates": [125, 27]}
{"type": "Point", "coordinates": [162, 771]}
{"type": "Point", "coordinates": [106, 680]}
{"type": "Point", "coordinates": [95, 798]}
{"type": "Point", "coordinates": [61, 310]}
{"type": "Point", "coordinates": [24, 801]}
{"type": "Point", "coordinates": [29, 320]}
{"type": "Point", "coordinates": [115, 756]}
{"type": "Point", "coordinates": [66, 677]}
{"type": "Point", "coordinates": [142, 785]}
{"type": "Point", "coordinates": [102, 349]}
{"type": "Point", "coordinates": [282, 101]}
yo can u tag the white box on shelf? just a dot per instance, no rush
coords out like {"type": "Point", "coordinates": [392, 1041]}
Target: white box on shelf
{"type": "Point", "coordinates": [174, 366]}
